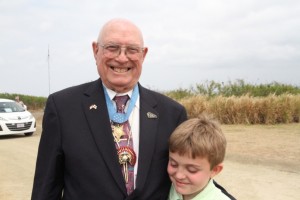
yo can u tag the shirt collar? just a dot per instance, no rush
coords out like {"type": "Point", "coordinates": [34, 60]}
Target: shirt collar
{"type": "Point", "coordinates": [112, 93]}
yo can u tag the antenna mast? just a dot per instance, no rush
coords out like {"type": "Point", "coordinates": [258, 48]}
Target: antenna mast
{"type": "Point", "coordinates": [49, 68]}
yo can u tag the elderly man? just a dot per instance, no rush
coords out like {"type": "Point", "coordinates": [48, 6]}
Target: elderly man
{"type": "Point", "coordinates": [108, 139]}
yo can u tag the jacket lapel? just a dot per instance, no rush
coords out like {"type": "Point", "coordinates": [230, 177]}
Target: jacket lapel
{"type": "Point", "coordinates": [148, 124]}
{"type": "Point", "coordinates": [96, 113]}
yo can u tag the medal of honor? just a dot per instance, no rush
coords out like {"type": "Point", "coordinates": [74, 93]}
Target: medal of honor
{"type": "Point", "coordinates": [126, 155]}
{"type": "Point", "coordinates": [121, 132]}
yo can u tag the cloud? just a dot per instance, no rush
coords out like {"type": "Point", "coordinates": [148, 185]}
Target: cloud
{"type": "Point", "coordinates": [190, 40]}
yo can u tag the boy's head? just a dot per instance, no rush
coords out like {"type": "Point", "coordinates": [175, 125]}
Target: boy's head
{"type": "Point", "coordinates": [199, 137]}
{"type": "Point", "coordinates": [196, 152]}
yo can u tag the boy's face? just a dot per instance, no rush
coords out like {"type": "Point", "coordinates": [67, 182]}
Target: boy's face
{"type": "Point", "coordinates": [190, 176]}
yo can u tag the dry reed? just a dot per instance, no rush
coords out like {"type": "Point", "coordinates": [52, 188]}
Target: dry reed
{"type": "Point", "coordinates": [246, 109]}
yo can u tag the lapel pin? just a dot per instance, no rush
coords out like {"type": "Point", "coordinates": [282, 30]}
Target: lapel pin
{"type": "Point", "coordinates": [151, 115]}
{"type": "Point", "coordinates": [93, 107]}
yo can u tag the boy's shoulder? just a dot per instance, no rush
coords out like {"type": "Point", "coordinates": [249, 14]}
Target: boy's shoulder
{"type": "Point", "coordinates": [223, 190]}
{"type": "Point", "coordinates": [212, 191]}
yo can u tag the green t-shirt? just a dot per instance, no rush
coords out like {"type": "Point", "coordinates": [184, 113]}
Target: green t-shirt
{"type": "Point", "coordinates": [210, 192]}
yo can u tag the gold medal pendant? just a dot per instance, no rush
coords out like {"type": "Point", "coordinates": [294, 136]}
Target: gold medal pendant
{"type": "Point", "coordinates": [126, 155]}
{"type": "Point", "coordinates": [117, 131]}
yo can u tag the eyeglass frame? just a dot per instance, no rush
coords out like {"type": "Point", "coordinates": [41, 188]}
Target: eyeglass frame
{"type": "Point", "coordinates": [120, 47]}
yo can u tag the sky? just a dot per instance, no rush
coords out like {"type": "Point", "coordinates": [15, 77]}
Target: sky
{"type": "Point", "coordinates": [46, 45]}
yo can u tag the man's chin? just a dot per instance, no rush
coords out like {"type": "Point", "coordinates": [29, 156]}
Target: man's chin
{"type": "Point", "coordinates": [122, 88]}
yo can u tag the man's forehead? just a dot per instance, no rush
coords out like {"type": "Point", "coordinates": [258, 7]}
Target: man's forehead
{"type": "Point", "coordinates": [117, 29]}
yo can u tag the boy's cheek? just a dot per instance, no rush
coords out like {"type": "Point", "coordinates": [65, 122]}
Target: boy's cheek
{"type": "Point", "coordinates": [170, 170]}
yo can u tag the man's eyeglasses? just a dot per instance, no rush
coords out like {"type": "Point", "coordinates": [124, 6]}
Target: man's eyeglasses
{"type": "Point", "coordinates": [114, 50]}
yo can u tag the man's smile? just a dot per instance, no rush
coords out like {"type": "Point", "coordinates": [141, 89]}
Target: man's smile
{"type": "Point", "coordinates": [120, 69]}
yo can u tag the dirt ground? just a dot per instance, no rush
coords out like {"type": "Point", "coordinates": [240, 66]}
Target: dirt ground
{"type": "Point", "coordinates": [262, 162]}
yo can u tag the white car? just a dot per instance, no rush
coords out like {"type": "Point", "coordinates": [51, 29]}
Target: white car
{"type": "Point", "coordinates": [14, 119]}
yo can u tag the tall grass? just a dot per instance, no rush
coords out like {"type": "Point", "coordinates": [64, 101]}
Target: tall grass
{"type": "Point", "coordinates": [239, 102]}
{"type": "Point", "coordinates": [246, 109]}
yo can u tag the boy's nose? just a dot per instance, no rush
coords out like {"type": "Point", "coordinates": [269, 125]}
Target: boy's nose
{"type": "Point", "coordinates": [180, 174]}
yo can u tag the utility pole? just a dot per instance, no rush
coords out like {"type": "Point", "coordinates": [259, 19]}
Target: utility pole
{"type": "Point", "coordinates": [49, 68]}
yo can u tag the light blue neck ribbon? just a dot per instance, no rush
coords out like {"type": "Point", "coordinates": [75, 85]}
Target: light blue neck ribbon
{"type": "Point", "coordinates": [112, 111]}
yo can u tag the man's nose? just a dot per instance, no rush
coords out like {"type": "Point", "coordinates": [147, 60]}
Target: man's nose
{"type": "Point", "coordinates": [122, 55]}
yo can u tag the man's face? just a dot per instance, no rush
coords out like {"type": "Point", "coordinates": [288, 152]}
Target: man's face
{"type": "Point", "coordinates": [119, 73]}
{"type": "Point", "coordinates": [189, 176]}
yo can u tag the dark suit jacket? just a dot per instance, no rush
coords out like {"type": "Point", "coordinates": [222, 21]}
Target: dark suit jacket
{"type": "Point", "coordinates": [77, 158]}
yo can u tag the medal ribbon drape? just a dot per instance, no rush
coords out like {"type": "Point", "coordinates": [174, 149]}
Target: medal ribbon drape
{"type": "Point", "coordinates": [124, 144]}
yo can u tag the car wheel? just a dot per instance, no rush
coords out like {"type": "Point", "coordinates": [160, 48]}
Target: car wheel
{"type": "Point", "coordinates": [28, 134]}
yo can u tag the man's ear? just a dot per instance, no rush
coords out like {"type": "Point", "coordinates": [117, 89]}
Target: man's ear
{"type": "Point", "coordinates": [95, 49]}
{"type": "Point", "coordinates": [216, 170]}
{"type": "Point", "coordinates": [145, 52]}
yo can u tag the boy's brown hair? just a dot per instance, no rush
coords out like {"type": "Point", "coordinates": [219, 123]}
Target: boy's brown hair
{"type": "Point", "coordinates": [199, 137]}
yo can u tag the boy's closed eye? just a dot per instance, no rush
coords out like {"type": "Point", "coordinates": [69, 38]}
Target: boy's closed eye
{"type": "Point", "coordinates": [172, 162]}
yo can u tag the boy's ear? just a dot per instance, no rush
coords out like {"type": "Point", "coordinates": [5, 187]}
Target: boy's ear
{"type": "Point", "coordinates": [216, 170]}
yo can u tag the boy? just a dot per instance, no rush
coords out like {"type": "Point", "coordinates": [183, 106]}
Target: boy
{"type": "Point", "coordinates": [196, 152]}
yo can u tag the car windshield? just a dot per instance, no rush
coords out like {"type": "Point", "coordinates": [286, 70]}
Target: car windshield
{"type": "Point", "coordinates": [7, 107]}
